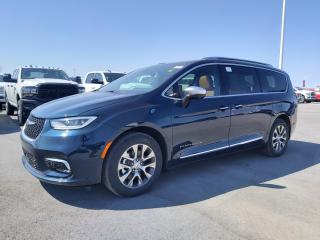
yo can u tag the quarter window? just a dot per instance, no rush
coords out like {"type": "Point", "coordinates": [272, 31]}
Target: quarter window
{"type": "Point", "coordinates": [240, 80]}
{"type": "Point", "coordinates": [272, 81]}
{"type": "Point", "coordinates": [206, 77]}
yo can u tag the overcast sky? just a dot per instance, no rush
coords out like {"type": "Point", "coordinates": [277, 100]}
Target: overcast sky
{"type": "Point", "coordinates": [81, 36]}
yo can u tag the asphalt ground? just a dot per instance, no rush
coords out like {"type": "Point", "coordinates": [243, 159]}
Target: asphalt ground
{"type": "Point", "coordinates": [241, 196]}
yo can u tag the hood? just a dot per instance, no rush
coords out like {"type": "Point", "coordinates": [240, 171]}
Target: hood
{"type": "Point", "coordinates": [77, 104]}
{"type": "Point", "coordinates": [34, 82]}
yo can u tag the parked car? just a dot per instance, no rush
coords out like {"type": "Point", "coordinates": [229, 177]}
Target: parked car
{"type": "Point", "coordinates": [30, 87]}
{"type": "Point", "coordinates": [96, 79]}
{"type": "Point", "coordinates": [317, 91]}
{"type": "Point", "coordinates": [1, 91]}
{"type": "Point", "coordinates": [127, 132]}
{"type": "Point", "coordinates": [306, 95]}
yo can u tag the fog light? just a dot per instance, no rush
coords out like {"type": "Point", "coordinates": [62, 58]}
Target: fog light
{"type": "Point", "coordinates": [58, 165]}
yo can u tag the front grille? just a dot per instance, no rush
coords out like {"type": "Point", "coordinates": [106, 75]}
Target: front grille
{"type": "Point", "coordinates": [55, 91]}
{"type": "Point", "coordinates": [33, 127]}
{"type": "Point", "coordinates": [32, 160]}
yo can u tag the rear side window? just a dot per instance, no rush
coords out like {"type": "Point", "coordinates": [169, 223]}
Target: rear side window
{"type": "Point", "coordinates": [240, 80]}
{"type": "Point", "coordinates": [272, 81]}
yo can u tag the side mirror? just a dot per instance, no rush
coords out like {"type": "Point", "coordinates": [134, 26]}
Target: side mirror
{"type": "Point", "coordinates": [96, 81]}
{"type": "Point", "coordinates": [193, 92]}
{"type": "Point", "coordinates": [7, 78]}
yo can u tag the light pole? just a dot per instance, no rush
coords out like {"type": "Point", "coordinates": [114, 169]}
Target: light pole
{"type": "Point", "coordinates": [282, 33]}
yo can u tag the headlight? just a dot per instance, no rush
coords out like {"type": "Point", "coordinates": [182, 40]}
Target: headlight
{"type": "Point", "coordinates": [28, 91]}
{"type": "Point", "coordinates": [71, 123]}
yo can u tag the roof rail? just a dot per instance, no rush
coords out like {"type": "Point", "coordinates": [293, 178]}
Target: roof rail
{"type": "Point", "coordinates": [237, 60]}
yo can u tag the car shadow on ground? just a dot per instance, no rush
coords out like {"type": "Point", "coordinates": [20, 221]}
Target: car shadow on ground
{"type": "Point", "coordinates": [8, 124]}
{"type": "Point", "coordinates": [198, 181]}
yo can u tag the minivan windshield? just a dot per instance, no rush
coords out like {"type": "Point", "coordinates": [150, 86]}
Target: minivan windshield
{"type": "Point", "coordinates": [145, 79]}
{"type": "Point", "coordinates": [33, 73]}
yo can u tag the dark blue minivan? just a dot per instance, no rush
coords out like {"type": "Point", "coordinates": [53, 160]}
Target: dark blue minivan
{"type": "Point", "coordinates": [151, 119]}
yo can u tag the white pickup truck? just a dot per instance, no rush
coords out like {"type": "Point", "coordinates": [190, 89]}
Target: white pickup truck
{"type": "Point", "coordinates": [30, 87]}
{"type": "Point", "coordinates": [96, 79]}
{"type": "Point", "coordinates": [306, 96]}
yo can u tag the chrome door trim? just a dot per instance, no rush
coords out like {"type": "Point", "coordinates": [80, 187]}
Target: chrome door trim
{"type": "Point", "coordinates": [207, 151]}
{"type": "Point", "coordinates": [221, 148]}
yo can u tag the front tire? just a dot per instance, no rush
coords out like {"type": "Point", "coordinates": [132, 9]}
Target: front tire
{"type": "Point", "coordinates": [9, 108]}
{"type": "Point", "coordinates": [22, 116]}
{"type": "Point", "coordinates": [278, 139]}
{"type": "Point", "coordinates": [132, 165]}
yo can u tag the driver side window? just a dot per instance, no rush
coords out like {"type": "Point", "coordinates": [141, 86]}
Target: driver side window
{"type": "Point", "coordinates": [206, 77]}
{"type": "Point", "coordinates": [89, 78]}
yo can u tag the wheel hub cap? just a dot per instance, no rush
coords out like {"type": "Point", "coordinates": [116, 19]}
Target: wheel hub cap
{"type": "Point", "coordinates": [279, 138]}
{"type": "Point", "coordinates": [136, 166]}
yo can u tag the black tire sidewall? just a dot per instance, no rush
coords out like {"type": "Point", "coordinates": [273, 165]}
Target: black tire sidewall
{"type": "Point", "coordinates": [21, 113]}
{"type": "Point", "coordinates": [110, 171]}
{"type": "Point", "coordinates": [9, 109]}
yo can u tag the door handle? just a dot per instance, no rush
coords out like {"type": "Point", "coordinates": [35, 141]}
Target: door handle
{"type": "Point", "coordinates": [223, 108]}
{"type": "Point", "coordinates": [238, 106]}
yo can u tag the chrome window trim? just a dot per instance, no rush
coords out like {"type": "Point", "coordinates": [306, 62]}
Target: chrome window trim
{"type": "Point", "coordinates": [224, 147]}
{"type": "Point", "coordinates": [233, 95]}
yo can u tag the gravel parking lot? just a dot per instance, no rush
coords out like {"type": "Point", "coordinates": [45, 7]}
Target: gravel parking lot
{"type": "Point", "coordinates": [244, 196]}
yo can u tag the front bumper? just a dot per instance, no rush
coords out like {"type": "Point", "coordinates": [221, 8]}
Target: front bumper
{"type": "Point", "coordinates": [30, 104]}
{"type": "Point", "coordinates": [81, 149]}
{"type": "Point", "coordinates": [310, 98]}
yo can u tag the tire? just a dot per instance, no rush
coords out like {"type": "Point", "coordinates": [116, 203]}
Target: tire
{"type": "Point", "coordinates": [1, 107]}
{"type": "Point", "coordinates": [120, 175]}
{"type": "Point", "coordinates": [300, 99]}
{"type": "Point", "coordinates": [22, 116]}
{"type": "Point", "coordinates": [303, 99]}
{"type": "Point", "coordinates": [278, 140]}
{"type": "Point", "coordinates": [9, 108]}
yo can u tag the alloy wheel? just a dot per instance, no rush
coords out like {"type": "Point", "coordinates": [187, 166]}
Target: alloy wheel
{"type": "Point", "coordinates": [279, 138]}
{"type": "Point", "coordinates": [136, 166]}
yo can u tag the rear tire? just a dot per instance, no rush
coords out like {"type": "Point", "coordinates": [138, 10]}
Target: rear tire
{"type": "Point", "coordinates": [9, 108]}
{"type": "Point", "coordinates": [278, 139]}
{"type": "Point", "coordinates": [132, 164]}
